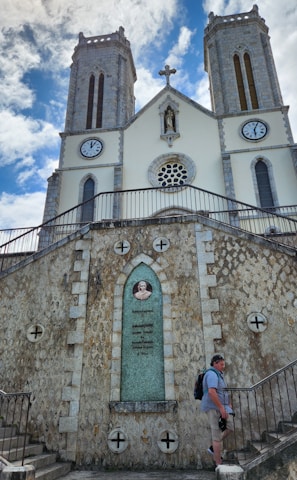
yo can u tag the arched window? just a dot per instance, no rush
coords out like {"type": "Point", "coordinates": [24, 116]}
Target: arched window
{"type": "Point", "coordinates": [90, 102]}
{"type": "Point", "coordinates": [250, 79]}
{"type": "Point", "coordinates": [100, 101]}
{"type": "Point", "coordinates": [240, 84]}
{"type": "Point", "coordinates": [263, 183]}
{"type": "Point", "coordinates": [87, 212]}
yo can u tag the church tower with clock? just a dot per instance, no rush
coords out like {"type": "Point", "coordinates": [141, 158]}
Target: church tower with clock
{"type": "Point", "coordinates": [255, 135]}
{"type": "Point", "coordinates": [100, 99]}
{"type": "Point", "coordinates": [242, 149]}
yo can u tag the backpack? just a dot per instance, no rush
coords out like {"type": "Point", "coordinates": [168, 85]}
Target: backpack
{"type": "Point", "coordinates": [198, 387]}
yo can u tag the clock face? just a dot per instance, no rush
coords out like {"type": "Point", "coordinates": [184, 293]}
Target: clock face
{"type": "Point", "coordinates": [254, 130]}
{"type": "Point", "coordinates": [91, 148]}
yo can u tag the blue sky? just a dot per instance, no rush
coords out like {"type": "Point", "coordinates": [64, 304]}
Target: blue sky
{"type": "Point", "coordinates": [37, 38]}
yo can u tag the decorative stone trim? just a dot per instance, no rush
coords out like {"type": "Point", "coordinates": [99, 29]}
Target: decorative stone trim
{"type": "Point", "coordinates": [75, 338]}
{"type": "Point", "coordinates": [143, 407]}
{"type": "Point", "coordinates": [162, 160]}
{"type": "Point", "coordinates": [169, 134]}
{"type": "Point", "coordinates": [208, 304]}
{"type": "Point", "coordinates": [228, 176]}
{"type": "Point", "coordinates": [35, 333]}
{"type": "Point", "coordinates": [168, 441]}
{"type": "Point", "coordinates": [161, 244]}
{"type": "Point", "coordinates": [257, 322]}
{"type": "Point", "coordinates": [117, 440]}
{"type": "Point", "coordinates": [271, 179]}
{"type": "Point", "coordinates": [121, 247]}
{"type": "Point", "coordinates": [160, 271]}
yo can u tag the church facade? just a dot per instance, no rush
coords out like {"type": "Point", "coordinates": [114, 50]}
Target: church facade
{"type": "Point", "coordinates": [242, 149]}
{"type": "Point", "coordinates": [109, 326]}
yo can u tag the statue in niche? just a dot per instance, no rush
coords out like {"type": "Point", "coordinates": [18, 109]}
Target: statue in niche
{"type": "Point", "coordinates": [169, 120]}
{"type": "Point", "coordinates": [142, 290]}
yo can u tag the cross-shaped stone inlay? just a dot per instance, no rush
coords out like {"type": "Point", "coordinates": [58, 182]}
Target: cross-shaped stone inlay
{"type": "Point", "coordinates": [35, 332]}
{"type": "Point", "coordinates": [168, 441]}
{"type": "Point", "coordinates": [257, 322]}
{"type": "Point", "coordinates": [122, 247]}
{"type": "Point", "coordinates": [161, 244]}
{"type": "Point", "coordinates": [167, 72]}
{"type": "Point", "coordinates": [117, 441]}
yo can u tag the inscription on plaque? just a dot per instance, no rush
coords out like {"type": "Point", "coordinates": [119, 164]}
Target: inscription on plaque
{"type": "Point", "coordinates": [143, 337]}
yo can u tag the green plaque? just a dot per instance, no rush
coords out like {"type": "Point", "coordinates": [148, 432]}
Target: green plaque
{"type": "Point", "coordinates": [142, 375]}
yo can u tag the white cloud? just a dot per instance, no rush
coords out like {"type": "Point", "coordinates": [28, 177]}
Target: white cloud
{"type": "Point", "coordinates": [180, 48]}
{"type": "Point", "coordinates": [50, 165]}
{"type": "Point", "coordinates": [21, 210]}
{"type": "Point", "coordinates": [21, 136]}
{"type": "Point", "coordinates": [146, 87]}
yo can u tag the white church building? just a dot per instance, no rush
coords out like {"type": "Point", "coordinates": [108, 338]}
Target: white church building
{"type": "Point", "coordinates": [169, 235]}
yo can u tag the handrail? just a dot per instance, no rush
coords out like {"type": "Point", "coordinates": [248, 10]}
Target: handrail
{"type": "Point", "coordinates": [265, 413]}
{"type": "Point", "coordinates": [264, 380]}
{"type": "Point", "coordinates": [14, 414]}
{"type": "Point", "coordinates": [151, 202]}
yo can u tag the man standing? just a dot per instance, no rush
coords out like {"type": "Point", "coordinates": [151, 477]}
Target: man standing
{"type": "Point", "coordinates": [215, 402]}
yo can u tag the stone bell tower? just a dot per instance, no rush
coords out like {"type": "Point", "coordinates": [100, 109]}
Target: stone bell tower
{"type": "Point", "coordinates": [101, 88]}
{"type": "Point", "coordinates": [100, 101]}
{"type": "Point", "coordinates": [240, 65]}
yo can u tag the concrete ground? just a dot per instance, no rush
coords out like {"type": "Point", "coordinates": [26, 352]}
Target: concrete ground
{"type": "Point", "coordinates": [132, 475]}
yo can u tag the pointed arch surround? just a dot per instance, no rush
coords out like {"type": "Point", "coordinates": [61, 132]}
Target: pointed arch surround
{"type": "Point", "coordinates": [142, 358]}
{"type": "Point", "coordinates": [245, 80]}
{"type": "Point", "coordinates": [264, 184]}
{"type": "Point", "coordinates": [116, 363]}
{"type": "Point", "coordinates": [87, 190]}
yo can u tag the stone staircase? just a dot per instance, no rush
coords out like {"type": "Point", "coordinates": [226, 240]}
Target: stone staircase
{"type": "Point", "coordinates": [275, 448]}
{"type": "Point", "coordinates": [46, 465]}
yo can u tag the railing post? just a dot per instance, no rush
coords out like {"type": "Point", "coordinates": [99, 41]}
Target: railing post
{"type": "Point", "coordinates": [229, 472]}
{"type": "Point", "coordinates": [12, 472]}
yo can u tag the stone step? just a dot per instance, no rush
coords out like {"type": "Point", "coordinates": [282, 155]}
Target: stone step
{"type": "Point", "coordinates": [272, 437]}
{"type": "Point", "coordinates": [12, 442]}
{"type": "Point", "coordinates": [53, 471]}
{"type": "Point", "coordinates": [7, 432]}
{"type": "Point", "coordinates": [46, 466]}
{"type": "Point", "coordinates": [287, 426]}
{"type": "Point", "coordinates": [17, 453]}
{"type": "Point", "coordinates": [38, 461]}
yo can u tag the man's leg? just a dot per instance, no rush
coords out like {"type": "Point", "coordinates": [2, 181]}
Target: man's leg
{"type": "Point", "coordinates": [216, 435]}
{"type": "Point", "coordinates": [217, 452]}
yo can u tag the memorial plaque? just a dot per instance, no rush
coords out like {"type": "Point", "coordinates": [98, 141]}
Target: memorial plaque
{"type": "Point", "coordinates": [142, 374]}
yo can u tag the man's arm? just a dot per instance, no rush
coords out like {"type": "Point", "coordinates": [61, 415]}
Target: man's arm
{"type": "Point", "coordinates": [213, 394]}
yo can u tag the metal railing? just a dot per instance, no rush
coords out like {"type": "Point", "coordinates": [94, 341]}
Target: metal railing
{"type": "Point", "coordinates": [277, 224]}
{"type": "Point", "coordinates": [14, 415]}
{"type": "Point", "coordinates": [264, 413]}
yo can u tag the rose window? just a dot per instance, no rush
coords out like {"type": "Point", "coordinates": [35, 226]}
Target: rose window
{"type": "Point", "coordinates": [172, 174]}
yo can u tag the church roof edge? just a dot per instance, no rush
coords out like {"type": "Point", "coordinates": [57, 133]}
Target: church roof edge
{"type": "Point", "coordinates": [225, 21]}
{"type": "Point", "coordinates": [119, 36]}
{"type": "Point", "coordinates": [169, 89]}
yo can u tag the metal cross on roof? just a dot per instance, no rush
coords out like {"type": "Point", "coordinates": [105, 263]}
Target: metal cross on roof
{"type": "Point", "coordinates": [167, 72]}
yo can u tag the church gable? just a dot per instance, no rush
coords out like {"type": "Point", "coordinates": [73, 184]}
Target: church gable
{"type": "Point", "coordinates": [176, 130]}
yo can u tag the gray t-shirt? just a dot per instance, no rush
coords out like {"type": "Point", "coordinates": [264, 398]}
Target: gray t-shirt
{"type": "Point", "coordinates": [213, 378]}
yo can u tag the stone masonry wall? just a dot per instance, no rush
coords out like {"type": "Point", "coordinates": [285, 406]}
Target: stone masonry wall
{"type": "Point", "coordinates": [212, 279]}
